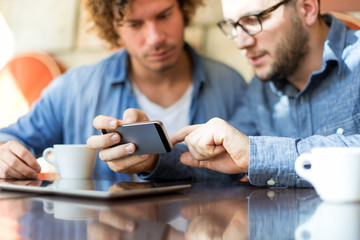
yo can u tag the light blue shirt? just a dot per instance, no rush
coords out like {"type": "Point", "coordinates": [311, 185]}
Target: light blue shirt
{"type": "Point", "coordinates": [67, 107]}
{"type": "Point", "coordinates": [325, 113]}
{"type": "Point", "coordinates": [289, 123]}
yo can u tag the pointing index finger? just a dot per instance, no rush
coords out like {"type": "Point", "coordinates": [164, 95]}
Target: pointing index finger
{"type": "Point", "coordinates": [180, 135]}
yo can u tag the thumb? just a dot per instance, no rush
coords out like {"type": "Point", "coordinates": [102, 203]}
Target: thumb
{"type": "Point", "coordinates": [132, 115]}
{"type": "Point", "coordinates": [188, 159]}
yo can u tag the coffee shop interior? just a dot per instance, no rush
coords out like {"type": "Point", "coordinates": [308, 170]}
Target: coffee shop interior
{"type": "Point", "coordinates": [41, 39]}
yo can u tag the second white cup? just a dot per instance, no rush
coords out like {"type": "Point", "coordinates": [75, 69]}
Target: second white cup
{"type": "Point", "coordinates": [334, 172]}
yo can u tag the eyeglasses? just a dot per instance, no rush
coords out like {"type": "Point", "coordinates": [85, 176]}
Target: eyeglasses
{"type": "Point", "coordinates": [251, 23]}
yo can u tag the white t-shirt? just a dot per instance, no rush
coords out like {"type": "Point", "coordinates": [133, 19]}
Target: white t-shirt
{"type": "Point", "coordinates": [173, 117]}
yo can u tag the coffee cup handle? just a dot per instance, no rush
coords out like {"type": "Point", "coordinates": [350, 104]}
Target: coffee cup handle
{"type": "Point", "coordinates": [48, 207]}
{"type": "Point", "coordinates": [46, 152]}
{"type": "Point", "coordinates": [300, 168]}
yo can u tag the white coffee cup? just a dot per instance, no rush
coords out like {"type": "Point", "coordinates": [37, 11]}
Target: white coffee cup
{"type": "Point", "coordinates": [332, 221]}
{"type": "Point", "coordinates": [334, 172]}
{"type": "Point", "coordinates": [72, 160]}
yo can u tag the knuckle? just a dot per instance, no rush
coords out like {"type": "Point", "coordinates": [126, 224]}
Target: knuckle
{"type": "Point", "coordinates": [216, 120]}
{"type": "Point", "coordinates": [6, 171]}
{"type": "Point", "coordinates": [12, 163]}
{"type": "Point", "coordinates": [115, 168]}
{"type": "Point", "coordinates": [89, 142]}
{"type": "Point", "coordinates": [102, 155]}
{"type": "Point", "coordinates": [21, 153]}
{"type": "Point", "coordinates": [100, 121]}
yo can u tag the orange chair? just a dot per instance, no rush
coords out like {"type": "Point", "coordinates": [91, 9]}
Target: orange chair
{"type": "Point", "coordinates": [32, 72]}
{"type": "Point", "coordinates": [21, 81]}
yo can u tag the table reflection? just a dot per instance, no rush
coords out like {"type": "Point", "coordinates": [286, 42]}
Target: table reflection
{"type": "Point", "coordinates": [68, 210]}
{"type": "Point", "coordinates": [262, 214]}
{"type": "Point", "coordinates": [11, 210]}
{"type": "Point", "coordinates": [206, 211]}
{"type": "Point", "coordinates": [332, 221]}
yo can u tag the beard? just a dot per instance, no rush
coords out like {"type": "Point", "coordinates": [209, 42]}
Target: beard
{"type": "Point", "coordinates": [289, 54]}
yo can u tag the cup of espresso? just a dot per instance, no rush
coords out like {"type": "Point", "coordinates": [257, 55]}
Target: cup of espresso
{"type": "Point", "coordinates": [72, 161]}
{"type": "Point", "coordinates": [334, 172]}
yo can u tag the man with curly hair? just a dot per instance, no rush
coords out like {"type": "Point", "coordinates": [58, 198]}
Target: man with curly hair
{"type": "Point", "coordinates": [155, 73]}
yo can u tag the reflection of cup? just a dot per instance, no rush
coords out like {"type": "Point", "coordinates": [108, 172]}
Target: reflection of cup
{"type": "Point", "coordinates": [334, 172]}
{"type": "Point", "coordinates": [332, 221]}
{"type": "Point", "coordinates": [72, 161]}
{"type": "Point", "coordinates": [69, 210]}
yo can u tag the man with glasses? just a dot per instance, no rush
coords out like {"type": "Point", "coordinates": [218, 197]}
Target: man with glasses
{"type": "Point", "coordinates": [305, 92]}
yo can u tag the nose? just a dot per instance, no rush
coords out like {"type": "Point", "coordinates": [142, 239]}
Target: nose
{"type": "Point", "coordinates": [243, 40]}
{"type": "Point", "coordinates": [154, 34]}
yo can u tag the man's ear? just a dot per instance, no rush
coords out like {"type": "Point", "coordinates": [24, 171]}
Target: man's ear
{"type": "Point", "coordinates": [308, 10]}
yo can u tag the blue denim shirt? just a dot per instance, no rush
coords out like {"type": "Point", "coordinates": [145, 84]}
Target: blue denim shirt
{"type": "Point", "coordinates": [67, 107]}
{"type": "Point", "coordinates": [325, 113]}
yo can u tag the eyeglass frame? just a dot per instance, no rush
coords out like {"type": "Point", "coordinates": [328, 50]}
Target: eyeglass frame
{"type": "Point", "coordinates": [257, 15]}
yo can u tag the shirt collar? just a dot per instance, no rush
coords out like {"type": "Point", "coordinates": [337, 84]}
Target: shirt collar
{"type": "Point", "coordinates": [335, 41]}
{"type": "Point", "coordinates": [120, 67]}
{"type": "Point", "coordinates": [333, 48]}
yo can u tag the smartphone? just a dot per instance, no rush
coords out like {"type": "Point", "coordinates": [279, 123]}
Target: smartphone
{"type": "Point", "coordinates": [149, 137]}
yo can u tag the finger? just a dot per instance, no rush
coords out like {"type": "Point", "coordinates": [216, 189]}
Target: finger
{"type": "Point", "coordinates": [203, 151]}
{"type": "Point", "coordinates": [99, 231]}
{"type": "Point", "coordinates": [13, 168]}
{"type": "Point", "coordinates": [130, 165]}
{"type": "Point", "coordinates": [7, 172]}
{"type": "Point", "coordinates": [103, 141]}
{"type": "Point", "coordinates": [117, 152]}
{"type": "Point", "coordinates": [104, 122]}
{"type": "Point", "coordinates": [117, 221]}
{"type": "Point", "coordinates": [25, 156]}
{"type": "Point", "coordinates": [180, 135]}
{"type": "Point", "coordinates": [191, 211]}
{"type": "Point", "coordinates": [132, 115]}
{"type": "Point", "coordinates": [188, 159]}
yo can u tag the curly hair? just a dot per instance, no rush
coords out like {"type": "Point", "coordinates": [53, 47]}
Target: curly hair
{"type": "Point", "coordinates": [101, 14]}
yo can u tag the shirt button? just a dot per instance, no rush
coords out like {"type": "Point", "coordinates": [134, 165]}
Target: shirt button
{"type": "Point", "coordinates": [340, 131]}
{"type": "Point", "coordinates": [271, 182]}
{"type": "Point", "coordinates": [271, 194]}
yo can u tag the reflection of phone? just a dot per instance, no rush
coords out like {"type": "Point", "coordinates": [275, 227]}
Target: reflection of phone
{"type": "Point", "coordinates": [149, 137]}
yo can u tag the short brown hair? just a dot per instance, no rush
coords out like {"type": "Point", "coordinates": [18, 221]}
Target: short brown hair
{"type": "Point", "coordinates": [101, 13]}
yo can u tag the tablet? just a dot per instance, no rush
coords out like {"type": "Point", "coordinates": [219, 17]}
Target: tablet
{"type": "Point", "coordinates": [87, 188]}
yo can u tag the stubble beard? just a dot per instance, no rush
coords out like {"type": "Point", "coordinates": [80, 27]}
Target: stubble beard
{"type": "Point", "coordinates": [290, 53]}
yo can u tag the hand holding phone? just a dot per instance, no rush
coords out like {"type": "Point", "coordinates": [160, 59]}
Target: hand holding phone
{"type": "Point", "coordinates": [149, 137]}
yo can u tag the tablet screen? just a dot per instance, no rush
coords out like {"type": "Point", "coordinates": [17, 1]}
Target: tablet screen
{"type": "Point", "coordinates": [101, 189]}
